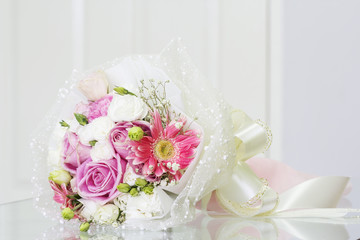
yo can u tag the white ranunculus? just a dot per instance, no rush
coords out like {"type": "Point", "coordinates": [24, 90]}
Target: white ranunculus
{"type": "Point", "coordinates": [121, 201]}
{"type": "Point", "coordinates": [73, 184]}
{"type": "Point", "coordinates": [140, 207]}
{"type": "Point", "coordinates": [90, 208]}
{"type": "Point", "coordinates": [130, 176]}
{"type": "Point", "coordinates": [95, 86]}
{"type": "Point", "coordinates": [56, 146]}
{"type": "Point", "coordinates": [127, 108]}
{"type": "Point", "coordinates": [102, 127]}
{"type": "Point", "coordinates": [102, 151]}
{"type": "Point", "coordinates": [96, 130]}
{"type": "Point", "coordinates": [54, 158]}
{"type": "Point", "coordinates": [74, 125]}
{"type": "Point", "coordinates": [85, 135]}
{"type": "Point", "coordinates": [106, 214]}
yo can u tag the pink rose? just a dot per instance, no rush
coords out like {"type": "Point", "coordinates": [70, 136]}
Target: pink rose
{"type": "Point", "coordinates": [99, 108]}
{"type": "Point", "coordinates": [119, 136]}
{"type": "Point", "coordinates": [97, 181]}
{"type": "Point", "coordinates": [74, 153]}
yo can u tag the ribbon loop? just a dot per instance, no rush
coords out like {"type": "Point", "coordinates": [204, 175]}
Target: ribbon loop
{"type": "Point", "coordinates": [245, 194]}
{"type": "Point", "coordinates": [251, 138]}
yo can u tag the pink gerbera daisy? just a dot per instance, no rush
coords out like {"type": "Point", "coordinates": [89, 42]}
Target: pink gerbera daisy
{"type": "Point", "coordinates": [167, 150]}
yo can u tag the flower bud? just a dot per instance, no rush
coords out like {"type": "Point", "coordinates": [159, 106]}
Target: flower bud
{"type": "Point", "coordinates": [60, 177]}
{"type": "Point", "coordinates": [136, 133]}
{"type": "Point", "coordinates": [122, 91]}
{"type": "Point", "coordinates": [123, 187]}
{"type": "Point", "coordinates": [84, 227]}
{"type": "Point", "coordinates": [134, 192]}
{"type": "Point", "coordinates": [141, 182]}
{"type": "Point", "coordinates": [67, 213]}
{"type": "Point", "coordinates": [148, 189]}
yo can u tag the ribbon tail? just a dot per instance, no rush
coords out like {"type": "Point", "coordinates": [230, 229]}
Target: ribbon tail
{"type": "Point", "coordinates": [320, 192]}
{"type": "Point", "coordinates": [316, 213]}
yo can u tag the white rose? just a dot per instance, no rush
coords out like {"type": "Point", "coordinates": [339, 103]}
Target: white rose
{"type": "Point", "coordinates": [90, 208]}
{"type": "Point", "coordinates": [127, 108]}
{"type": "Point", "coordinates": [106, 214]}
{"type": "Point", "coordinates": [102, 151]}
{"type": "Point", "coordinates": [96, 130]}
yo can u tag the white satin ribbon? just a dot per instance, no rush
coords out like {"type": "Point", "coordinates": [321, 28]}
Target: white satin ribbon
{"type": "Point", "coordinates": [317, 197]}
{"type": "Point", "coordinates": [245, 194]}
{"type": "Point", "coordinates": [250, 137]}
{"type": "Point", "coordinates": [320, 192]}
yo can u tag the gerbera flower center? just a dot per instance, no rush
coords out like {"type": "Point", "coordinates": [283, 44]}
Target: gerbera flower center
{"type": "Point", "coordinates": [164, 150]}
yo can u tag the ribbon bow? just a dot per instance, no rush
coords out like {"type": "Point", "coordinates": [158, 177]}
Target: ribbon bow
{"type": "Point", "coordinates": [247, 195]}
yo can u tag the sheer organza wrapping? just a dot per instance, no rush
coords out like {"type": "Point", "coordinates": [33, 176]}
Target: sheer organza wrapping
{"type": "Point", "coordinates": [196, 99]}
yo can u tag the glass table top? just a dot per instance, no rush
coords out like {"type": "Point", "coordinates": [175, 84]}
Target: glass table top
{"type": "Point", "coordinates": [20, 220]}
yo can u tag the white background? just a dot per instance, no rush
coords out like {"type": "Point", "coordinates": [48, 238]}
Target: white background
{"type": "Point", "coordinates": [294, 64]}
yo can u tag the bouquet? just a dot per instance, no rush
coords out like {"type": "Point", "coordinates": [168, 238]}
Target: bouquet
{"type": "Point", "coordinates": [121, 150]}
{"type": "Point", "coordinates": [144, 142]}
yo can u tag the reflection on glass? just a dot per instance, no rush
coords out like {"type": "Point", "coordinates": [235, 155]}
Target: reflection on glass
{"type": "Point", "coordinates": [205, 227]}
{"type": "Point", "coordinates": [20, 220]}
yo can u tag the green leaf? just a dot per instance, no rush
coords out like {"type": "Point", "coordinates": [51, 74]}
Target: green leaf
{"type": "Point", "coordinates": [64, 124]}
{"type": "Point", "coordinates": [75, 196]}
{"type": "Point", "coordinates": [82, 119]}
{"type": "Point", "coordinates": [123, 91]}
{"type": "Point", "coordinates": [93, 142]}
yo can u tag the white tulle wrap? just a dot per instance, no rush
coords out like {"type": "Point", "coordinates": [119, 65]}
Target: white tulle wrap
{"type": "Point", "coordinates": [229, 139]}
{"type": "Point", "coordinates": [189, 93]}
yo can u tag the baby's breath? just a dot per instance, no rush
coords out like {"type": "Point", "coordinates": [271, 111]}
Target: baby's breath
{"type": "Point", "coordinates": [153, 93]}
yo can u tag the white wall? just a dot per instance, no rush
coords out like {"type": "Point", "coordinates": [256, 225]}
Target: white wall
{"type": "Point", "coordinates": [321, 75]}
{"type": "Point", "coordinates": [42, 41]}
{"type": "Point", "coordinates": [35, 60]}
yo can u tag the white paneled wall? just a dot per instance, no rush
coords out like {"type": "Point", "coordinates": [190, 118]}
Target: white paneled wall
{"type": "Point", "coordinates": [36, 58]}
{"type": "Point", "coordinates": [42, 41]}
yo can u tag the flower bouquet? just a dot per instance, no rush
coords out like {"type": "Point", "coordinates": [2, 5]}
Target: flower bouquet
{"type": "Point", "coordinates": [144, 142]}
